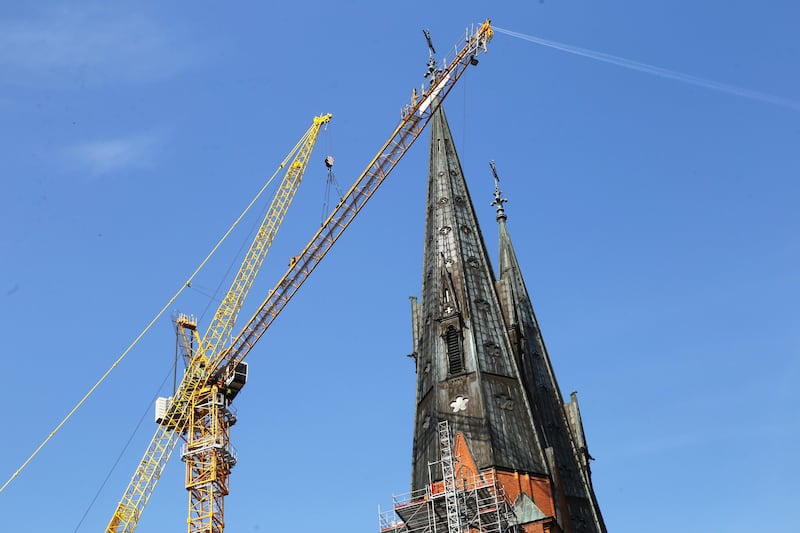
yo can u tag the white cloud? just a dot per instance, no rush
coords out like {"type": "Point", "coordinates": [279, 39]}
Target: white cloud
{"type": "Point", "coordinates": [88, 45]}
{"type": "Point", "coordinates": [103, 157]}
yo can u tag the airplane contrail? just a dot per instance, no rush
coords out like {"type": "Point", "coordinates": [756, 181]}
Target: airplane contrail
{"type": "Point", "coordinates": [657, 71]}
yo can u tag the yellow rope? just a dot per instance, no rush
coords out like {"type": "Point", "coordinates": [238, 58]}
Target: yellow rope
{"type": "Point", "coordinates": [154, 320]}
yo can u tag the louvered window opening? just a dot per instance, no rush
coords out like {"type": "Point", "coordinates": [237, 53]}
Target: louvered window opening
{"type": "Point", "coordinates": [455, 362]}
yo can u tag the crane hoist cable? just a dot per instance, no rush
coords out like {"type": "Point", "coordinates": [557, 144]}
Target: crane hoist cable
{"type": "Point", "coordinates": [330, 183]}
{"type": "Point", "coordinates": [143, 332]}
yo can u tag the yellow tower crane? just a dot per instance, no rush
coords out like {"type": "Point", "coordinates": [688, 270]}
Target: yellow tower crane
{"type": "Point", "coordinates": [215, 375]}
{"type": "Point", "coordinates": [199, 410]}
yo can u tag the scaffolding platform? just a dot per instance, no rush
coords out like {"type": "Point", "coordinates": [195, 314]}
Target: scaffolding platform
{"type": "Point", "coordinates": [482, 506]}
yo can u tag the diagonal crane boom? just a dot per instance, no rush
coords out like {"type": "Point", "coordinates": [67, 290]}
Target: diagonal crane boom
{"type": "Point", "coordinates": [414, 119]}
{"type": "Point", "coordinates": [187, 413]}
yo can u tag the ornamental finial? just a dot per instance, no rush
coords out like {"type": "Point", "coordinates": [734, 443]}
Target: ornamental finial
{"type": "Point", "coordinates": [498, 196]}
{"type": "Point", "coordinates": [433, 70]}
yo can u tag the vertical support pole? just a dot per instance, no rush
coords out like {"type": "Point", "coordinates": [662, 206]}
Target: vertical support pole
{"type": "Point", "coordinates": [449, 479]}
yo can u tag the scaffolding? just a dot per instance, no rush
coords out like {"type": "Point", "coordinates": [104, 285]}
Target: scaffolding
{"type": "Point", "coordinates": [479, 504]}
{"type": "Point", "coordinates": [449, 479]}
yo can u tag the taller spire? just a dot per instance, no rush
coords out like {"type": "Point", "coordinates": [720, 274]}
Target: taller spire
{"type": "Point", "coordinates": [482, 366]}
{"type": "Point", "coordinates": [466, 372]}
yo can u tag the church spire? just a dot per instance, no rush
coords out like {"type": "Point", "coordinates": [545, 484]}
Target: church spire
{"type": "Point", "coordinates": [466, 373]}
{"type": "Point", "coordinates": [482, 367]}
{"type": "Point", "coordinates": [558, 422]}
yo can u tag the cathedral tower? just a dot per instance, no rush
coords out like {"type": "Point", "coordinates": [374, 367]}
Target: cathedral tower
{"type": "Point", "coordinates": [482, 366]}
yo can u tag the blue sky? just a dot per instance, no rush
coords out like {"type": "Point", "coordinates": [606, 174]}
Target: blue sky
{"type": "Point", "coordinates": [656, 223]}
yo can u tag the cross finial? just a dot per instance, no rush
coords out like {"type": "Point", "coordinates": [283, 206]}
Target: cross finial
{"type": "Point", "coordinates": [498, 195]}
{"type": "Point", "coordinates": [433, 70]}
{"type": "Point", "coordinates": [430, 42]}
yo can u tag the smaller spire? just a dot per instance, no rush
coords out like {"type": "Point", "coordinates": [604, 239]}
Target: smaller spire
{"type": "Point", "coordinates": [498, 195]}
